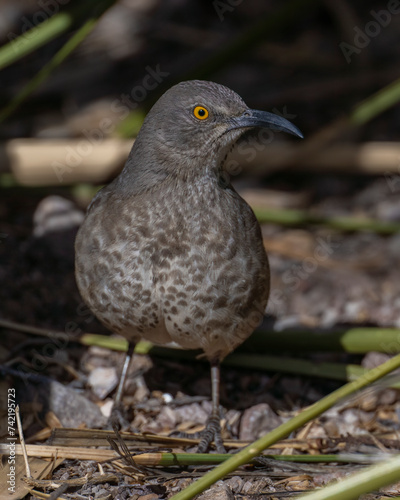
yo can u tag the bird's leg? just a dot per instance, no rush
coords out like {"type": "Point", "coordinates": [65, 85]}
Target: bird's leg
{"type": "Point", "coordinates": [116, 416]}
{"type": "Point", "coordinates": [212, 431]}
{"type": "Point", "coordinates": [127, 362]}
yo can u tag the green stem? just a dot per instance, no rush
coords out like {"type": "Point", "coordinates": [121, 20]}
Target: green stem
{"type": "Point", "coordinates": [58, 58]}
{"type": "Point", "coordinates": [34, 38]}
{"type": "Point", "coordinates": [262, 342]}
{"type": "Point", "coordinates": [286, 428]}
{"type": "Point", "coordinates": [287, 217]}
{"type": "Point", "coordinates": [185, 459]}
{"type": "Point", "coordinates": [333, 371]}
{"type": "Point", "coordinates": [376, 104]}
{"type": "Point", "coordinates": [352, 340]}
{"type": "Point", "coordinates": [50, 29]}
{"type": "Point", "coordinates": [44, 73]}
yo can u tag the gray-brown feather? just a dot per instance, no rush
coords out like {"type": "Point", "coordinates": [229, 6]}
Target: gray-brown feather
{"type": "Point", "coordinates": [167, 251]}
{"type": "Point", "coordinates": [184, 265]}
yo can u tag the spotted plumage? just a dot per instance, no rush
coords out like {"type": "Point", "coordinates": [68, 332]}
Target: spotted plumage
{"type": "Point", "coordinates": [169, 251]}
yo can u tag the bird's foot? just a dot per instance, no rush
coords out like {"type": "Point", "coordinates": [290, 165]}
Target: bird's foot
{"type": "Point", "coordinates": [118, 418]}
{"type": "Point", "coordinates": [211, 432]}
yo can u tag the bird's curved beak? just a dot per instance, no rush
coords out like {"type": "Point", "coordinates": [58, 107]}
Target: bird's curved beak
{"type": "Point", "coordinates": [263, 119]}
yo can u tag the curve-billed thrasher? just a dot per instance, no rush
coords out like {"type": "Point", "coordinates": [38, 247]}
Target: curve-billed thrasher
{"type": "Point", "coordinates": [169, 251]}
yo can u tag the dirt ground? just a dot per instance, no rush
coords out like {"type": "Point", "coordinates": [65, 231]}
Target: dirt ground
{"type": "Point", "coordinates": [320, 278]}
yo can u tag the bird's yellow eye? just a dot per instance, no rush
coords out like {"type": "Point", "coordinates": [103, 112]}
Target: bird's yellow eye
{"type": "Point", "coordinates": [200, 112]}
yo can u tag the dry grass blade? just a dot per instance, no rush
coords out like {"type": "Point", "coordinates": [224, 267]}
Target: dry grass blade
{"type": "Point", "coordinates": [124, 453]}
{"type": "Point", "coordinates": [79, 481]}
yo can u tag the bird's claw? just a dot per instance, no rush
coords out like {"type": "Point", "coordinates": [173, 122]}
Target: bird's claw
{"type": "Point", "coordinates": [211, 432]}
{"type": "Point", "coordinates": [117, 418]}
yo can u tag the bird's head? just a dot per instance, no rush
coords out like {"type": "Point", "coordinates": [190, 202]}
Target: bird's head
{"type": "Point", "coordinates": [195, 122]}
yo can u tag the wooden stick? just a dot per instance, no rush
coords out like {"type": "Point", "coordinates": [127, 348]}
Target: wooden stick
{"type": "Point", "coordinates": [38, 162]}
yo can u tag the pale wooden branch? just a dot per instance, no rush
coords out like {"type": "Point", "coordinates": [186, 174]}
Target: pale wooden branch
{"type": "Point", "coordinates": [38, 162]}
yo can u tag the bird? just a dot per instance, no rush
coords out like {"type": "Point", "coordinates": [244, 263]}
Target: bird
{"type": "Point", "coordinates": [169, 251]}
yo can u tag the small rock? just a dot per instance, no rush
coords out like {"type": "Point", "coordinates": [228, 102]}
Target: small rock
{"type": "Point", "coordinates": [141, 394]}
{"type": "Point", "coordinates": [106, 408]}
{"type": "Point", "coordinates": [191, 413]}
{"type": "Point", "coordinates": [150, 496]}
{"type": "Point", "coordinates": [389, 210]}
{"type": "Point", "coordinates": [167, 398]}
{"type": "Point", "coordinates": [331, 428]}
{"type": "Point", "coordinates": [235, 483]}
{"type": "Point", "coordinates": [164, 422]}
{"type": "Point", "coordinates": [256, 421]}
{"type": "Point", "coordinates": [392, 491]}
{"type": "Point", "coordinates": [352, 310]}
{"type": "Point", "coordinates": [71, 408]}
{"type": "Point", "coordinates": [103, 380]}
{"type": "Point", "coordinates": [167, 418]}
{"type": "Point", "coordinates": [219, 491]}
{"type": "Point", "coordinates": [394, 245]}
{"type": "Point", "coordinates": [54, 214]}
{"type": "Point", "coordinates": [255, 487]}
{"type": "Point", "coordinates": [326, 478]}
{"type": "Point", "coordinates": [373, 359]}
{"type": "Point", "coordinates": [388, 397]}
{"type": "Point", "coordinates": [103, 493]}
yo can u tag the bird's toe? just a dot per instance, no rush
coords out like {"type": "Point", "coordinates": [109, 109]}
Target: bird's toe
{"type": "Point", "coordinates": [212, 432]}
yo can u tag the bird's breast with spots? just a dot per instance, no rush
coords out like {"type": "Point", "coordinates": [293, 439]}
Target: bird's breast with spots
{"type": "Point", "coordinates": [170, 276]}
